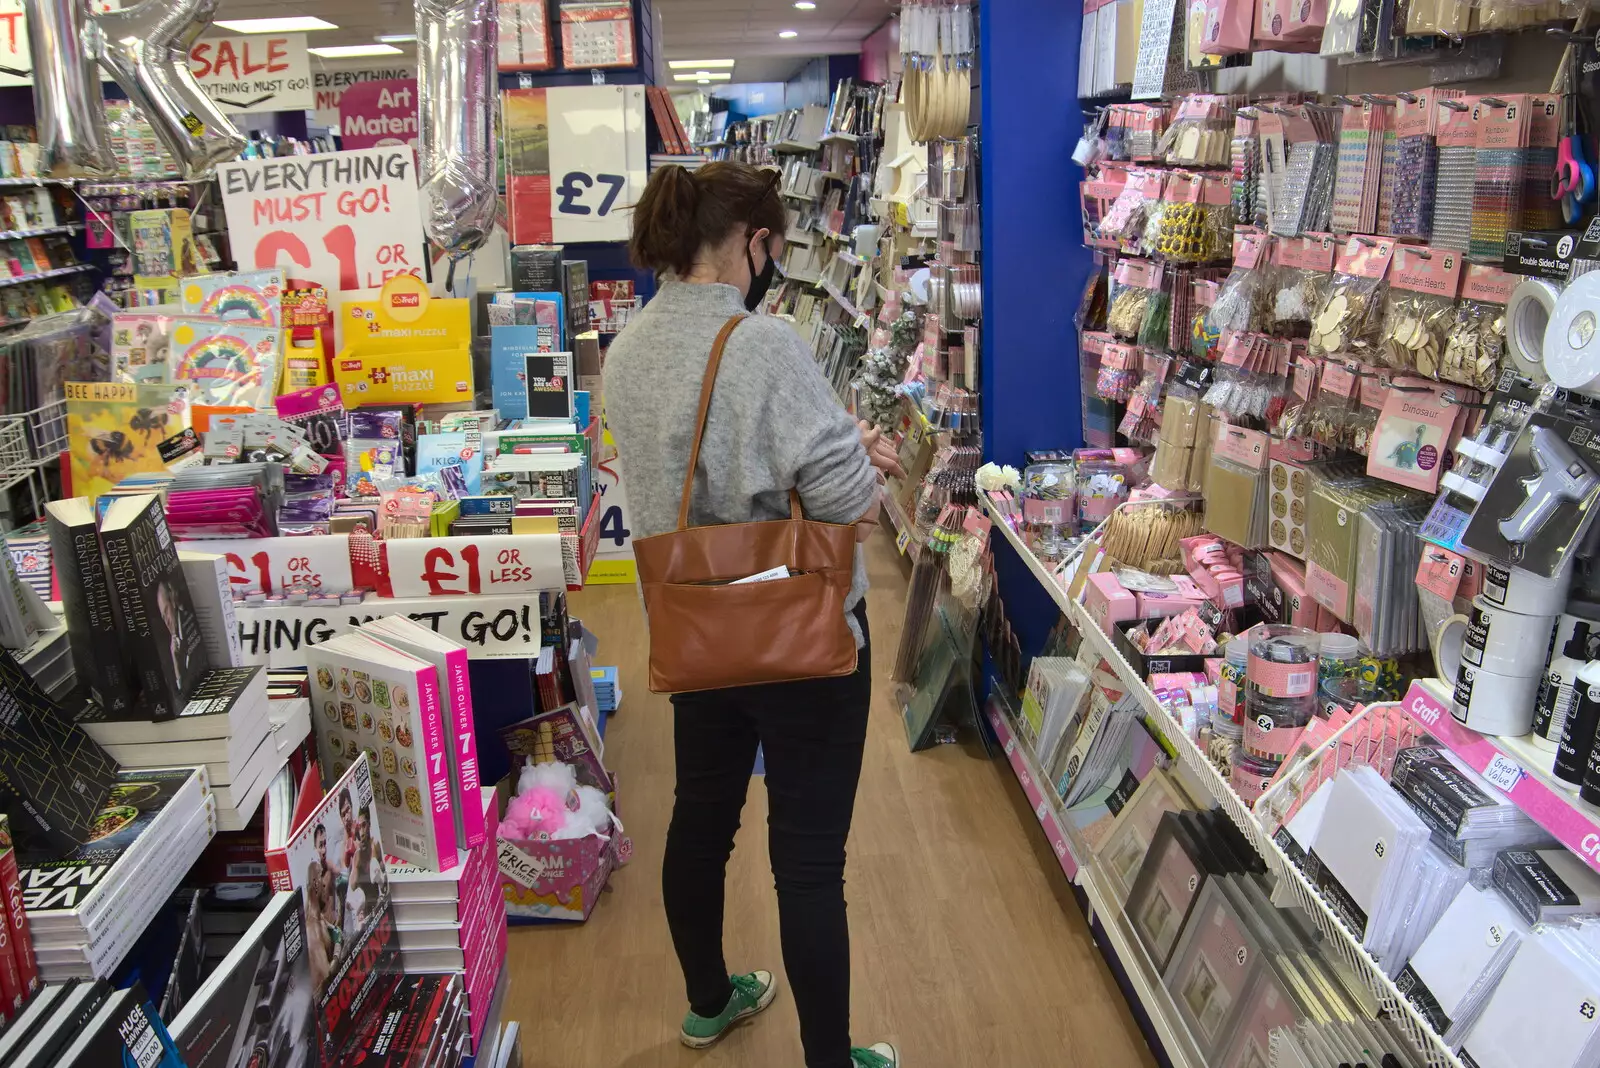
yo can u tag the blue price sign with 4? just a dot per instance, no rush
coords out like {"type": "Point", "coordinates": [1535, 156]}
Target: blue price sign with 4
{"type": "Point", "coordinates": [579, 189]}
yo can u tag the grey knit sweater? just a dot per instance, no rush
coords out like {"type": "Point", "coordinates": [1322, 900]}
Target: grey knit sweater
{"type": "Point", "coordinates": [774, 422]}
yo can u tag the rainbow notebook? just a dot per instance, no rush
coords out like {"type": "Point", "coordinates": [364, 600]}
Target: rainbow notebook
{"type": "Point", "coordinates": [244, 296]}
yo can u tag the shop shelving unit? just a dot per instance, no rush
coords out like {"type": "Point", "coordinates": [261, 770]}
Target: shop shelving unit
{"type": "Point", "coordinates": [1521, 770]}
{"type": "Point", "coordinates": [1342, 946]}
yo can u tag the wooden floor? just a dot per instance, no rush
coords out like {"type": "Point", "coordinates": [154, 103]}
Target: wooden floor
{"type": "Point", "coordinates": [967, 947]}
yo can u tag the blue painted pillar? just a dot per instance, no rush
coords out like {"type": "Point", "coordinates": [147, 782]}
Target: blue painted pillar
{"type": "Point", "coordinates": [1035, 264]}
{"type": "Point", "coordinates": [1034, 260]}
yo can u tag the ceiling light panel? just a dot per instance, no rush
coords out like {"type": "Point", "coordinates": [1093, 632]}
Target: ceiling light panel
{"type": "Point", "coordinates": [352, 51]}
{"type": "Point", "coordinates": [294, 24]}
{"type": "Point", "coordinates": [698, 64]}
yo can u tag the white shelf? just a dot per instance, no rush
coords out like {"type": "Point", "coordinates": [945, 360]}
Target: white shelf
{"type": "Point", "coordinates": [793, 146]}
{"type": "Point", "coordinates": [42, 275]}
{"type": "Point", "coordinates": [1078, 866]}
{"type": "Point", "coordinates": [1290, 884]}
{"type": "Point", "coordinates": [43, 231]}
{"type": "Point", "coordinates": [1522, 770]}
{"type": "Point", "coordinates": [856, 315]}
{"type": "Point", "coordinates": [846, 138]}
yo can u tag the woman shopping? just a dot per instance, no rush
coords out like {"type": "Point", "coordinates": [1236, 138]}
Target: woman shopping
{"type": "Point", "coordinates": [767, 427]}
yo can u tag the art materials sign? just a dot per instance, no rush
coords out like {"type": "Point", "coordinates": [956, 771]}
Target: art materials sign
{"type": "Point", "coordinates": [379, 114]}
{"type": "Point", "coordinates": [490, 627]}
{"type": "Point", "coordinates": [575, 159]}
{"type": "Point", "coordinates": [277, 565]}
{"type": "Point", "coordinates": [254, 71]}
{"type": "Point", "coordinates": [346, 220]}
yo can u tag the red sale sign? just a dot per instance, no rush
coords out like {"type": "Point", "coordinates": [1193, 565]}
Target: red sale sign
{"type": "Point", "coordinates": [278, 565]}
{"type": "Point", "coordinates": [379, 113]}
{"type": "Point", "coordinates": [345, 220]}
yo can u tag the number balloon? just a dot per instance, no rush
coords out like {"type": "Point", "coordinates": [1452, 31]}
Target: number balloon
{"type": "Point", "coordinates": [146, 49]}
{"type": "Point", "coordinates": [73, 142]}
{"type": "Point", "coordinates": [456, 95]}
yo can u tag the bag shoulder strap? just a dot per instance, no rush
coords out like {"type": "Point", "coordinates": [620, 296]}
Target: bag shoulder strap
{"type": "Point", "coordinates": [706, 386]}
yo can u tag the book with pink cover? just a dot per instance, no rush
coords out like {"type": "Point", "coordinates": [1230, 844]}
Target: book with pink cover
{"type": "Point", "coordinates": [370, 698]}
{"type": "Point", "coordinates": [449, 658]}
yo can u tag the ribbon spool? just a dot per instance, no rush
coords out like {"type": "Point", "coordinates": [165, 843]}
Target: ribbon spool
{"type": "Point", "coordinates": [1528, 314]}
{"type": "Point", "coordinates": [1572, 337]}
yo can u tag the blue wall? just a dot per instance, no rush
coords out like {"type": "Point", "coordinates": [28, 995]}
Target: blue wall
{"type": "Point", "coordinates": [752, 99]}
{"type": "Point", "coordinates": [1035, 264]}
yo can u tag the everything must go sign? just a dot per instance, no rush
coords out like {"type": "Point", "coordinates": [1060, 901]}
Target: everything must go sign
{"type": "Point", "coordinates": [490, 627]}
{"type": "Point", "coordinates": [347, 220]}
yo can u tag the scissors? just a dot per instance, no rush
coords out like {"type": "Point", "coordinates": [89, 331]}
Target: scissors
{"type": "Point", "coordinates": [1573, 181]}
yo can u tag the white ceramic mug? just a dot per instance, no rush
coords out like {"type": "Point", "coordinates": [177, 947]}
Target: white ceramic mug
{"type": "Point", "coordinates": [1506, 643]}
{"type": "Point", "coordinates": [1523, 593]}
{"type": "Point", "coordinates": [1494, 704]}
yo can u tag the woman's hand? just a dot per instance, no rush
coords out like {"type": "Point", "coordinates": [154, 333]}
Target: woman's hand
{"type": "Point", "coordinates": [880, 450]}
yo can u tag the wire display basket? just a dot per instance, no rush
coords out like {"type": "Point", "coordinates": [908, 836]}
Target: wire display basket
{"type": "Point", "coordinates": [47, 431]}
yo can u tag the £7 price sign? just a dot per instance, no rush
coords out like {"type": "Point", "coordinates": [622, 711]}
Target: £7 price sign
{"type": "Point", "coordinates": [574, 193]}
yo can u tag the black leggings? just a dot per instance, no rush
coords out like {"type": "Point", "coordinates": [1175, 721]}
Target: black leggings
{"type": "Point", "coordinates": [811, 734]}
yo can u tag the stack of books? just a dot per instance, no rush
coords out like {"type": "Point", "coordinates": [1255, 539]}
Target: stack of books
{"type": "Point", "coordinates": [88, 1025]}
{"type": "Point", "coordinates": [227, 725]}
{"type": "Point", "coordinates": [398, 695]}
{"type": "Point", "coordinates": [136, 639]}
{"type": "Point", "coordinates": [455, 921]}
{"type": "Point", "coordinates": [49, 661]}
{"type": "Point", "coordinates": [87, 906]}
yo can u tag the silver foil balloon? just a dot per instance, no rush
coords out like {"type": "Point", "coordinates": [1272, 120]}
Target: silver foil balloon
{"type": "Point", "coordinates": [456, 90]}
{"type": "Point", "coordinates": [146, 49]}
{"type": "Point", "coordinates": [73, 142]}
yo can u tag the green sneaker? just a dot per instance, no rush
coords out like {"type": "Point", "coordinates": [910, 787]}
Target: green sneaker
{"type": "Point", "coordinates": [877, 1055]}
{"type": "Point", "coordinates": [751, 994]}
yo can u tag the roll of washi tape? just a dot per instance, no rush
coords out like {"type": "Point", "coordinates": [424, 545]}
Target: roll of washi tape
{"type": "Point", "coordinates": [1528, 313]}
{"type": "Point", "coordinates": [1572, 338]}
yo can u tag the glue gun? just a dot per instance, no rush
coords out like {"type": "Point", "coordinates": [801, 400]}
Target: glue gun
{"type": "Point", "coordinates": [1559, 475]}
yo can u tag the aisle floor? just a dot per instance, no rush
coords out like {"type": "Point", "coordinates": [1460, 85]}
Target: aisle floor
{"type": "Point", "coordinates": [966, 945]}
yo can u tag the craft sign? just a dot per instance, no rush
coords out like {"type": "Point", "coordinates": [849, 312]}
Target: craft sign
{"type": "Point", "coordinates": [475, 566]}
{"type": "Point", "coordinates": [254, 71]}
{"type": "Point", "coordinates": [277, 565]}
{"type": "Point", "coordinates": [490, 627]}
{"type": "Point", "coordinates": [346, 220]}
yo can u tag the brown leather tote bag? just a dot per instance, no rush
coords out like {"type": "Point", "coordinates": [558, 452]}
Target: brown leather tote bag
{"type": "Point", "coordinates": [707, 633]}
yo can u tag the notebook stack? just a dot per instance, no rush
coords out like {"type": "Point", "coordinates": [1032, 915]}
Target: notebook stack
{"type": "Point", "coordinates": [1452, 976]}
{"type": "Point", "coordinates": [227, 725]}
{"type": "Point", "coordinates": [87, 906]}
{"type": "Point", "coordinates": [1543, 1011]}
{"type": "Point", "coordinates": [1470, 820]}
{"type": "Point", "coordinates": [1370, 856]}
{"type": "Point", "coordinates": [455, 921]}
{"type": "Point", "coordinates": [607, 689]}
{"type": "Point", "coordinates": [1052, 705]}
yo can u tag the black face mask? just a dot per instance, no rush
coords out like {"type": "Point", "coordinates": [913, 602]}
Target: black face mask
{"type": "Point", "coordinates": [759, 283]}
